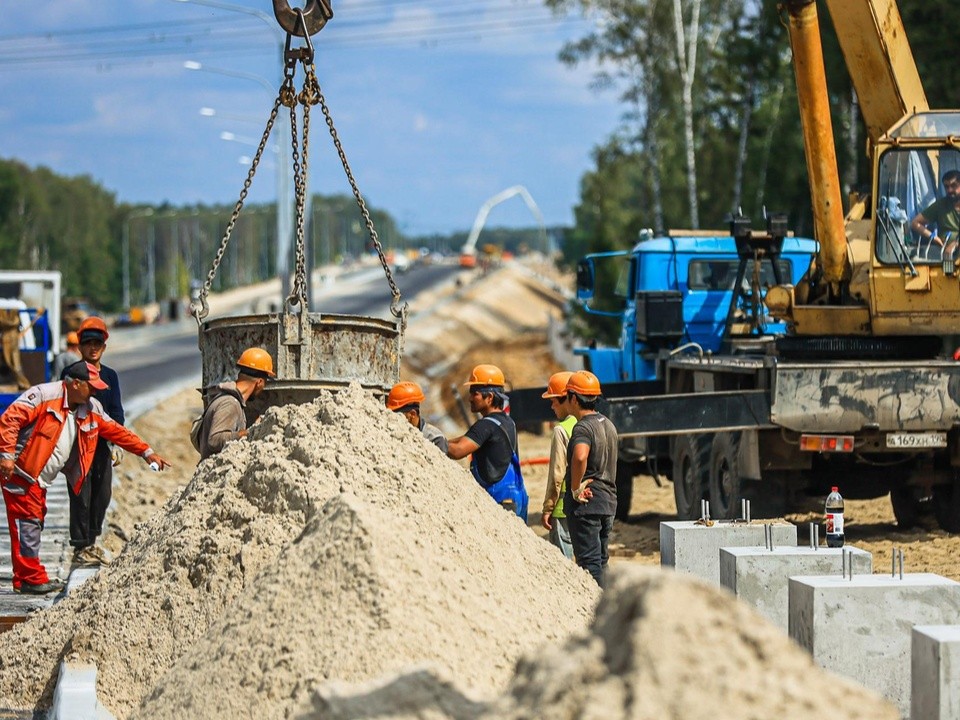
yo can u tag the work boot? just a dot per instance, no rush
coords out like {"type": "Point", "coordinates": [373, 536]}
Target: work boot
{"type": "Point", "coordinates": [90, 556]}
{"type": "Point", "coordinates": [54, 585]}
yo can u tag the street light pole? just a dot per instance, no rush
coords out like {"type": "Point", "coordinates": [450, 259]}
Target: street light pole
{"type": "Point", "coordinates": [126, 253]}
{"type": "Point", "coordinates": [284, 206]}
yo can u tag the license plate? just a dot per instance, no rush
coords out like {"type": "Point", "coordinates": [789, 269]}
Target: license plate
{"type": "Point", "coordinates": [917, 440]}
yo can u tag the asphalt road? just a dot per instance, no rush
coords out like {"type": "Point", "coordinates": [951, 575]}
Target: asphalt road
{"type": "Point", "coordinates": [156, 362]}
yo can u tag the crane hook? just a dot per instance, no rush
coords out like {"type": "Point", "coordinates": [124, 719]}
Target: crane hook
{"type": "Point", "coordinates": [315, 14]}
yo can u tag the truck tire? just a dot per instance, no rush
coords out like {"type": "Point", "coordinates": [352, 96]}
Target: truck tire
{"type": "Point", "coordinates": [691, 458]}
{"type": "Point", "coordinates": [946, 506]}
{"type": "Point", "coordinates": [725, 480]}
{"type": "Point", "coordinates": [906, 506]}
{"type": "Point", "coordinates": [625, 473]}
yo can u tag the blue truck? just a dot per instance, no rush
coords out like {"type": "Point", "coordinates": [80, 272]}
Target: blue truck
{"type": "Point", "coordinates": [29, 329]}
{"type": "Point", "coordinates": [684, 293]}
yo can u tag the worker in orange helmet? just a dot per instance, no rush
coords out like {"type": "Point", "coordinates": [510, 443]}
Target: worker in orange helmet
{"type": "Point", "coordinates": [553, 516]}
{"type": "Point", "coordinates": [68, 356]}
{"type": "Point", "coordinates": [405, 398]}
{"type": "Point", "coordinates": [224, 418]}
{"type": "Point", "coordinates": [590, 499]}
{"type": "Point", "coordinates": [493, 441]}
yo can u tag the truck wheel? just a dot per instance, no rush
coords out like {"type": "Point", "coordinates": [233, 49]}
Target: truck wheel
{"type": "Point", "coordinates": [690, 471]}
{"type": "Point", "coordinates": [726, 484]}
{"type": "Point", "coordinates": [906, 506]}
{"type": "Point", "coordinates": [625, 472]}
{"type": "Point", "coordinates": [946, 506]}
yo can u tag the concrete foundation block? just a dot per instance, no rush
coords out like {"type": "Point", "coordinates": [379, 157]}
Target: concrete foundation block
{"type": "Point", "coordinates": [759, 577]}
{"type": "Point", "coordinates": [693, 548]}
{"type": "Point", "coordinates": [935, 672]}
{"type": "Point", "coordinates": [75, 696]}
{"type": "Point", "coordinates": [861, 628]}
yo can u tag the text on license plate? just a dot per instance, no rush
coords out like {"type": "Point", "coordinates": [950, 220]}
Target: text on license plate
{"type": "Point", "coordinates": [917, 440]}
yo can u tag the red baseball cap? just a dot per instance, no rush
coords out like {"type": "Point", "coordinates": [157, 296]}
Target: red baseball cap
{"type": "Point", "coordinates": [88, 373]}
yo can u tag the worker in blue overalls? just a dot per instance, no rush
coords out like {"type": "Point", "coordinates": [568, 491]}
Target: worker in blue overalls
{"type": "Point", "coordinates": [493, 441]}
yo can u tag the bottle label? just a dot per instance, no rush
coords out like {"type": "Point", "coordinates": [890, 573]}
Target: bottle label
{"type": "Point", "coordinates": [835, 523]}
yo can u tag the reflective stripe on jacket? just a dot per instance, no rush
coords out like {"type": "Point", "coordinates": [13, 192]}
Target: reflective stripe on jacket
{"type": "Point", "coordinates": [31, 426]}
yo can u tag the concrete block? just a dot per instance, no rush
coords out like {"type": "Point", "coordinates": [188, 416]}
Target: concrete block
{"type": "Point", "coordinates": [75, 696]}
{"type": "Point", "coordinates": [935, 672]}
{"type": "Point", "coordinates": [759, 577]}
{"type": "Point", "coordinates": [693, 548]}
{"type": "Point", "coordinates": [861, 628]}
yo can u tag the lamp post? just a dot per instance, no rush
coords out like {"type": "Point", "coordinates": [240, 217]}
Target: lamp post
{"type": "Point", "coordinates": [146, 212]}
{"type": "Point", "coordinates": [284, 207]}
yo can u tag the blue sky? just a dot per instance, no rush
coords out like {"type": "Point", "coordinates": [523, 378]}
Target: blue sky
{"type": "Point", "coordinates": [440, 104]}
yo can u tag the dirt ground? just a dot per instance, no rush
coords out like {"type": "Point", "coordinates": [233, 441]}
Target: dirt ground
{"type": "Point", "coordinates": [521, 351]}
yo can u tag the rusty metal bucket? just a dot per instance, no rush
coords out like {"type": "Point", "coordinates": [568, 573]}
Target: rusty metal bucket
{"type": "Point", "coordinates": [311, 352]}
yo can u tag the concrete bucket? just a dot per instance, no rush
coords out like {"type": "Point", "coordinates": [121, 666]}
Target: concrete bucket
{"type": "Point", "coordinates": [311, 352]}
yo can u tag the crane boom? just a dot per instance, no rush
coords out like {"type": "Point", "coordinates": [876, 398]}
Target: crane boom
{"type": "Point", "coordinates": [879, 61]}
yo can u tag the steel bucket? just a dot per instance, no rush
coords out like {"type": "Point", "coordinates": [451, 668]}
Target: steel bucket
{"type": "Point", "coordinates": [311, 352]}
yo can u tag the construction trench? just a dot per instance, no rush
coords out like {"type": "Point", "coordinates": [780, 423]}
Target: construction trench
{"type": "Point", "coordinates": [335, 565]}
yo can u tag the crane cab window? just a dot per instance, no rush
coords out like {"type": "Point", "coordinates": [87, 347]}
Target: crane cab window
{"type": "Point", "coordinates": [918, 193]}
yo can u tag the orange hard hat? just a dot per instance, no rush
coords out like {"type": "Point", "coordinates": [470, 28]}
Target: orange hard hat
{"type": "Point", "coordinates": [486, 375]}
{"type": "Point", "coordinates": [73, 338]}
{"type": "Point", "coordinates": [403, 394]}
{"type": "Point", "coordinates": [93, 323]}
{"type": "Point", "coordinates": [583, 382]}
{"type": "Point", "coordinates": [258, 360]}
{"type": "Point", "coordinates": [557, 386]}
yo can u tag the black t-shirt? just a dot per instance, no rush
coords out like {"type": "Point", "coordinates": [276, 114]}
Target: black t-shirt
{"type": "Point", "coordinates": [598, 433]}
{"type": "Point", "coordinates": [495, 450]}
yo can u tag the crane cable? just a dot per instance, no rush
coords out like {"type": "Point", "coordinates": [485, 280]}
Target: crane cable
{"type": "Point", "coordinates": [309, 95]}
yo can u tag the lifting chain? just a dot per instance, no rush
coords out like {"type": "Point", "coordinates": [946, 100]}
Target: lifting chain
{"type": "Point", "coordinates": [308, 96]}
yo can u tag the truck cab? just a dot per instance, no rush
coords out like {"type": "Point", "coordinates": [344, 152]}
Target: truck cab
{"type": "Point", "coordinates": [677, 289]}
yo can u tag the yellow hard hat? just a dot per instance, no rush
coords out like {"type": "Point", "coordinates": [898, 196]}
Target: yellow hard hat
{"type": "Point", "coordinates": [557, 386]}
{"type": "Point", "coordinates": [486, 375]}
{"type": "Point", "coordinates": [403, 394]}
{"type": "Point", "coordinates": [258, 360]}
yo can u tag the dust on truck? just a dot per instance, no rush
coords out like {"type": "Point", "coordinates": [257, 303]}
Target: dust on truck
{"type": "Point", "coordinates": [862, 390]}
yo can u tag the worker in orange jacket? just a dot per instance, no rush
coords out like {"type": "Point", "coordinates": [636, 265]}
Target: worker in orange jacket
{"type": "Point", "coordinates": [52, 428]}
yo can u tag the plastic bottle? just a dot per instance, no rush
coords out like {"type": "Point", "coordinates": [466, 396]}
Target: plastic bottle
{"type": "Point", "coordinates": [833, 509]}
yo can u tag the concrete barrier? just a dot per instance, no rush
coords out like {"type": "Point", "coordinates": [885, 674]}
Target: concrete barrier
{"type": "Point", "coordinates": [861, 627]}
{"type": "Point", "coordinates": [935, 672]}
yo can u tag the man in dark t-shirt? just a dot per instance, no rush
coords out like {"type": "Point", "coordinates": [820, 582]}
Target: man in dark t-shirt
{"type": "Point", "coordinates": [939, 222]}
{"type": "Point", "coordinates": [493, 441]}
{"type": "Point", "coordinates": [590, 499]}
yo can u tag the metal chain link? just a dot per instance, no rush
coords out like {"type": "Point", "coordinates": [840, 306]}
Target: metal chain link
{"type": "Point", "coordinates": [203, 309]}
{"type": "Point", "coordinates": [398, 310]}
{"type": "Point", "coordinates": [298, 293]}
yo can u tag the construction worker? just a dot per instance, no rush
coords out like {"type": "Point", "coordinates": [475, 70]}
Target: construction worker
{"type": "Point", "coordinates": [554, 519]}
{"type": "Point", "coordinates": [590, 499]}
{"type": "Point", "coordinates": [52, 428]}
{"type": "Point", "coordinates": [67, 357]}
{"type": "Point", "coordinates": [88, 506]}
{"type": "Point", "coordinates": [493, 441]}
{"type": "Point", "coordinates": [224, 417]}
{"type": "Point", "coordinates": [405, 398]}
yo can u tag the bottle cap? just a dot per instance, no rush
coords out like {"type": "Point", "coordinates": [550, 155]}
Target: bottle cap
{"type": "Point", "coordinates": [834, 489]}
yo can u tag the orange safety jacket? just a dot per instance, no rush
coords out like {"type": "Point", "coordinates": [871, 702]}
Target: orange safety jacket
{"type": "Point", "coordinates": [31, 426]}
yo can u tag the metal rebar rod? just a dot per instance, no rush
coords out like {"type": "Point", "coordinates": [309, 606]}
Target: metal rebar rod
{"type": "Point", "coordinates": [893, 562]}
{"type": "Point", "coordinates": [901, 564]}
{"type": "Point", "coordinates": [812, 546]}
{"type": "Point", "coordinates": [748, 511]}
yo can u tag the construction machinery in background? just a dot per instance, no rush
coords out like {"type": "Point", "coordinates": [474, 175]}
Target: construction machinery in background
{"type": "Point", "coordinates": [29, 330]}
{"type": "Point", "coordinates": [311, 351]}
{"type": "Point", "coordinates": [862, 390]}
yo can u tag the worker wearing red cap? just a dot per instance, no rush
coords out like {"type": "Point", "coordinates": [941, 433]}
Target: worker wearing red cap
{"type": "Point", "coordinates": [590, 499]}
{"type": "Point", "coordinates": [492, 441]}
{"type": "Point", "coordinates": [88, 505]}
{"type": "Point", "coordinates": [224, 418]}
{"type": "Point", "coordinates": [405, 398]}
{"type": "Point", "coordinates": [52, 428]}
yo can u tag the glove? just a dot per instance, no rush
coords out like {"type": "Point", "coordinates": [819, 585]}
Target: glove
{"type": "Point", "coordinates": [116, 455]}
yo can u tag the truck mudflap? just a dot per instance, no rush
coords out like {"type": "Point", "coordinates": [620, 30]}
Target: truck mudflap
{"type": "Point", "coordinates": [846, 397]}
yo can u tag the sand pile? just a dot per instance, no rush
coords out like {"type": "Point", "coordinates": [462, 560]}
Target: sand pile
{"type": "Point", "coordinates": [662, 647]}
{"type": "Point", "coordinates": [334, 543]}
